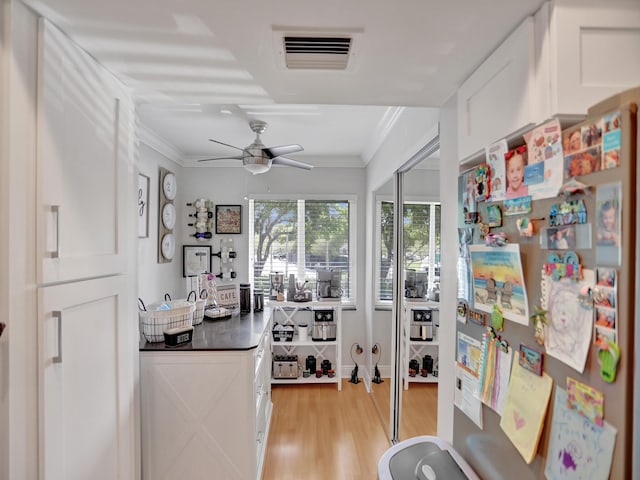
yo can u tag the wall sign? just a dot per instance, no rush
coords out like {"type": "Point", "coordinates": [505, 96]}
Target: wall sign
{"type": "Point", "coordinates": [228, 296]}
{"type": "Point", "coordinates": [143, 206]}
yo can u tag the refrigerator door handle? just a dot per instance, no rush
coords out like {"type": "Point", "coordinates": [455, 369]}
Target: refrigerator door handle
{"type": "Point", "coordinates": [58, 358]}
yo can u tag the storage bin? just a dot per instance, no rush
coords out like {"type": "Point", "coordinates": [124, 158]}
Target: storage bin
{"type": "Point", "coordinates": [282, 333]}
{"type": "Point", "coordinates": [161, 316]}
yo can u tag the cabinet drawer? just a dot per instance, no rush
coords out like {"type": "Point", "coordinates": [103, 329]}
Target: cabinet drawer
{"type": "Point", "coordinates": [260, 354]}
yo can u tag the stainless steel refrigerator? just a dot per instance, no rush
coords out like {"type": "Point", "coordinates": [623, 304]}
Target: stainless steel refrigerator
{"type": "Point", "coordinates": [615, 174]}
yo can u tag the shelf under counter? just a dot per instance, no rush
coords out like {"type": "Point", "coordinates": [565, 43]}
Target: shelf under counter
{"type": "Point", "coordinates": [304, 343]}
{"type": "Point", "coordinates": [300, 380]}
{"type": "Point", "coordinates": [421, 379]}
{"type": "Point", "coordinates": [421, 302]}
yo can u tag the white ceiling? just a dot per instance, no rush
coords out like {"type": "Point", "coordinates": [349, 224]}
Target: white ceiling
{"type": "Point", "coordinates": [187, 60]}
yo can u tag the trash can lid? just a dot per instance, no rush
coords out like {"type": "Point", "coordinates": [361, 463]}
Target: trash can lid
{"type": "Point", "coordinates": [425, 461]}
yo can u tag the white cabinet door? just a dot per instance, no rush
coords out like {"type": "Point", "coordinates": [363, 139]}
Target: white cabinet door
{"type": "Point", "coordinates": [84, 142]}
{"type": "Point", "coordinates": [499, 98]}
{"type": "Point", "coordinates": [85, 360]}
{"type": "Point", "coordinates": [594, 53]}
{"type": "Point", "coordinates": [198, 415]}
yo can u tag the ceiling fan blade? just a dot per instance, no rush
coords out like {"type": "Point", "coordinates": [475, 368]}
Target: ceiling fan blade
{"type": "Point", "coordinates": [226, 144]}
{"type": "Point", "coordinates": [291, 163]}
{"type": "Point", "coordinates": [219, 158]}
{"type": "Point", "coordinates": [274, 152]}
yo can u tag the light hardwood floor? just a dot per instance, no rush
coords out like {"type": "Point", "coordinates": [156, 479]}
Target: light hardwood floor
{"type": "Point", "coordinates": [419, 408]}
{"type": "Point", "coordinates": [320, 433]}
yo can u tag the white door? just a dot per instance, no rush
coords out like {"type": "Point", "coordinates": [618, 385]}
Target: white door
{"type": "Point", "coordinates": [85, 381]}
{"type": "Point", "coordinates": [83, 147]}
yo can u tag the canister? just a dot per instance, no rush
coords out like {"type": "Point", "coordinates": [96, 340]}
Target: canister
{"type": "Point", "coordinates": [245, 298]}
{"type": "Point", "coordinates": [258, 301]}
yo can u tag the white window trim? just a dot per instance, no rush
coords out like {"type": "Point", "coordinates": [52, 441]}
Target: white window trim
{"type": "Point", "coordinates": [353, 232]}
{"type": "Point", "coordinates": [378, 251]}
{"type": "Point", "coordinates": [385, 304]}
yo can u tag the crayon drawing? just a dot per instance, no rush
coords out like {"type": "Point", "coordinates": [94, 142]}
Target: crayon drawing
{"type": "Point", "coordinates": [578, 448]}
{"type": "Point", "coordinates": [568, 333]}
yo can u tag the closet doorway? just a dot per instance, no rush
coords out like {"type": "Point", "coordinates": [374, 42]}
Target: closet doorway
{"type": "Point", "coordinates": [407, 404]}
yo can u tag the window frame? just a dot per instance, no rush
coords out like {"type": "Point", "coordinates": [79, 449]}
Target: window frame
{"type": "Point", "coordinates": [353, 233]}
{"type": "Point", "coordinates": [379, 199]}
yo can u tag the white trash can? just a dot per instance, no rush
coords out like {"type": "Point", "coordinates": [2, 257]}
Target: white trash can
{"type": "Point", "coordinates": [424, 458]}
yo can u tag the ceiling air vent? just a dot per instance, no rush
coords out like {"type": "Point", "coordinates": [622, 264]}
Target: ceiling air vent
{"type": "Point", "coordinates": [317, 52]}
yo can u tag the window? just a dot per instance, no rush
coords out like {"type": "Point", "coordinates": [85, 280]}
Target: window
{"type": "Point", "coordinates": [300, 237]}
{"type": "Point", "coordinates": [421, 244]}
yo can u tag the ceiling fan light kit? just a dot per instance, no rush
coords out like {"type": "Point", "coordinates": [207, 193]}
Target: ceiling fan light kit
{"type": "Point", "coordinates": [257, 158]}
{"type": "Point", "coordinates": [256, 165]}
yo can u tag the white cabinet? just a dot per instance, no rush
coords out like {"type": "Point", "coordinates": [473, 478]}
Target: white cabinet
{"type": "Point", "coordinates": [422, 342]}
{"type": "Point", "coordinates": [84, 142]}
{"type": "Point", "coordinates": [567, 57]}
{"type": "Point", "coordinates": [205, 414]}
{"type": "Point", "coordinates": [84, 362]}
{"type": "Point", "coordinates": [87, 342]}
{"type": "Point", "coordinates": [593, 49]}
{"type": "Point", "coordinates": [294, 313]}
{"type": "Point", "coordinates": [500, 97]}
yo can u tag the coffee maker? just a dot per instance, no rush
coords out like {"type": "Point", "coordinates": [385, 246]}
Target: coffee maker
{"type": "Point", "coordinates": [415, 284]}
{"type": "Point", "coordinates": [328, 284]}
{"type": "Point", "coordinates": [276, 285]}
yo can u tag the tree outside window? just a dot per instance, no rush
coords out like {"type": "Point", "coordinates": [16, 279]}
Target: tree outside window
{"type": "Point", "coordinates": [300, 237]}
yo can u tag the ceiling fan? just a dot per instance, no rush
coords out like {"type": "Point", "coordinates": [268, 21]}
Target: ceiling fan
{"type": "Point", "coordinates": [257, 158]}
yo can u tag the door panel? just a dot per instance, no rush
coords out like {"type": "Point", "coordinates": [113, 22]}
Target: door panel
{"type": "Point", "coordinates": [82, 151]}
{"type": "Point", "coordinates": [86, 381]}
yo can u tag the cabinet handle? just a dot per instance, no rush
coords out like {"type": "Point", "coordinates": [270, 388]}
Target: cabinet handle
{"type": "Point", "coordinates": [58, 358]}
{"type": "Point", "coordinates": [55, 209]}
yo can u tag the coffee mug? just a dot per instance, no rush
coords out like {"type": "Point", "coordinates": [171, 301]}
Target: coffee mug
{"type": "Point", "coordinates": [318, 373]}
{"type": "Point", "coordinates": [306, 373]}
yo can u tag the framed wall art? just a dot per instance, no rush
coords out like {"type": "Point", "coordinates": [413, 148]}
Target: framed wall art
{"type": "Point", "coordinates": [196, 259]}
{"type": "Point", "coordinates": [228, 219]}
{"type": "Point", "coordinates": [143, 206]}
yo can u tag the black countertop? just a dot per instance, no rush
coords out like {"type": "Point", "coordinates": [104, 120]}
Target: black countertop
{"type": "Point", "coordinates": [240, 332]}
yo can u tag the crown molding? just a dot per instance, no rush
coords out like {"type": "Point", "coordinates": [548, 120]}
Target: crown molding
{"type": "Point", "coordinates": [385, 125]}
{"type": "Point", "coordinates": [152, 140]}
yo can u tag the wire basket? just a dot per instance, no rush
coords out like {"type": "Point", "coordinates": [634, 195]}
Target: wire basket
{"type": "Point", "coordinates": [156, 318]}
{"type": "Point", "coordinates": [282, 333]}
{"type": "Point", "coordinates": [201, 302]}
